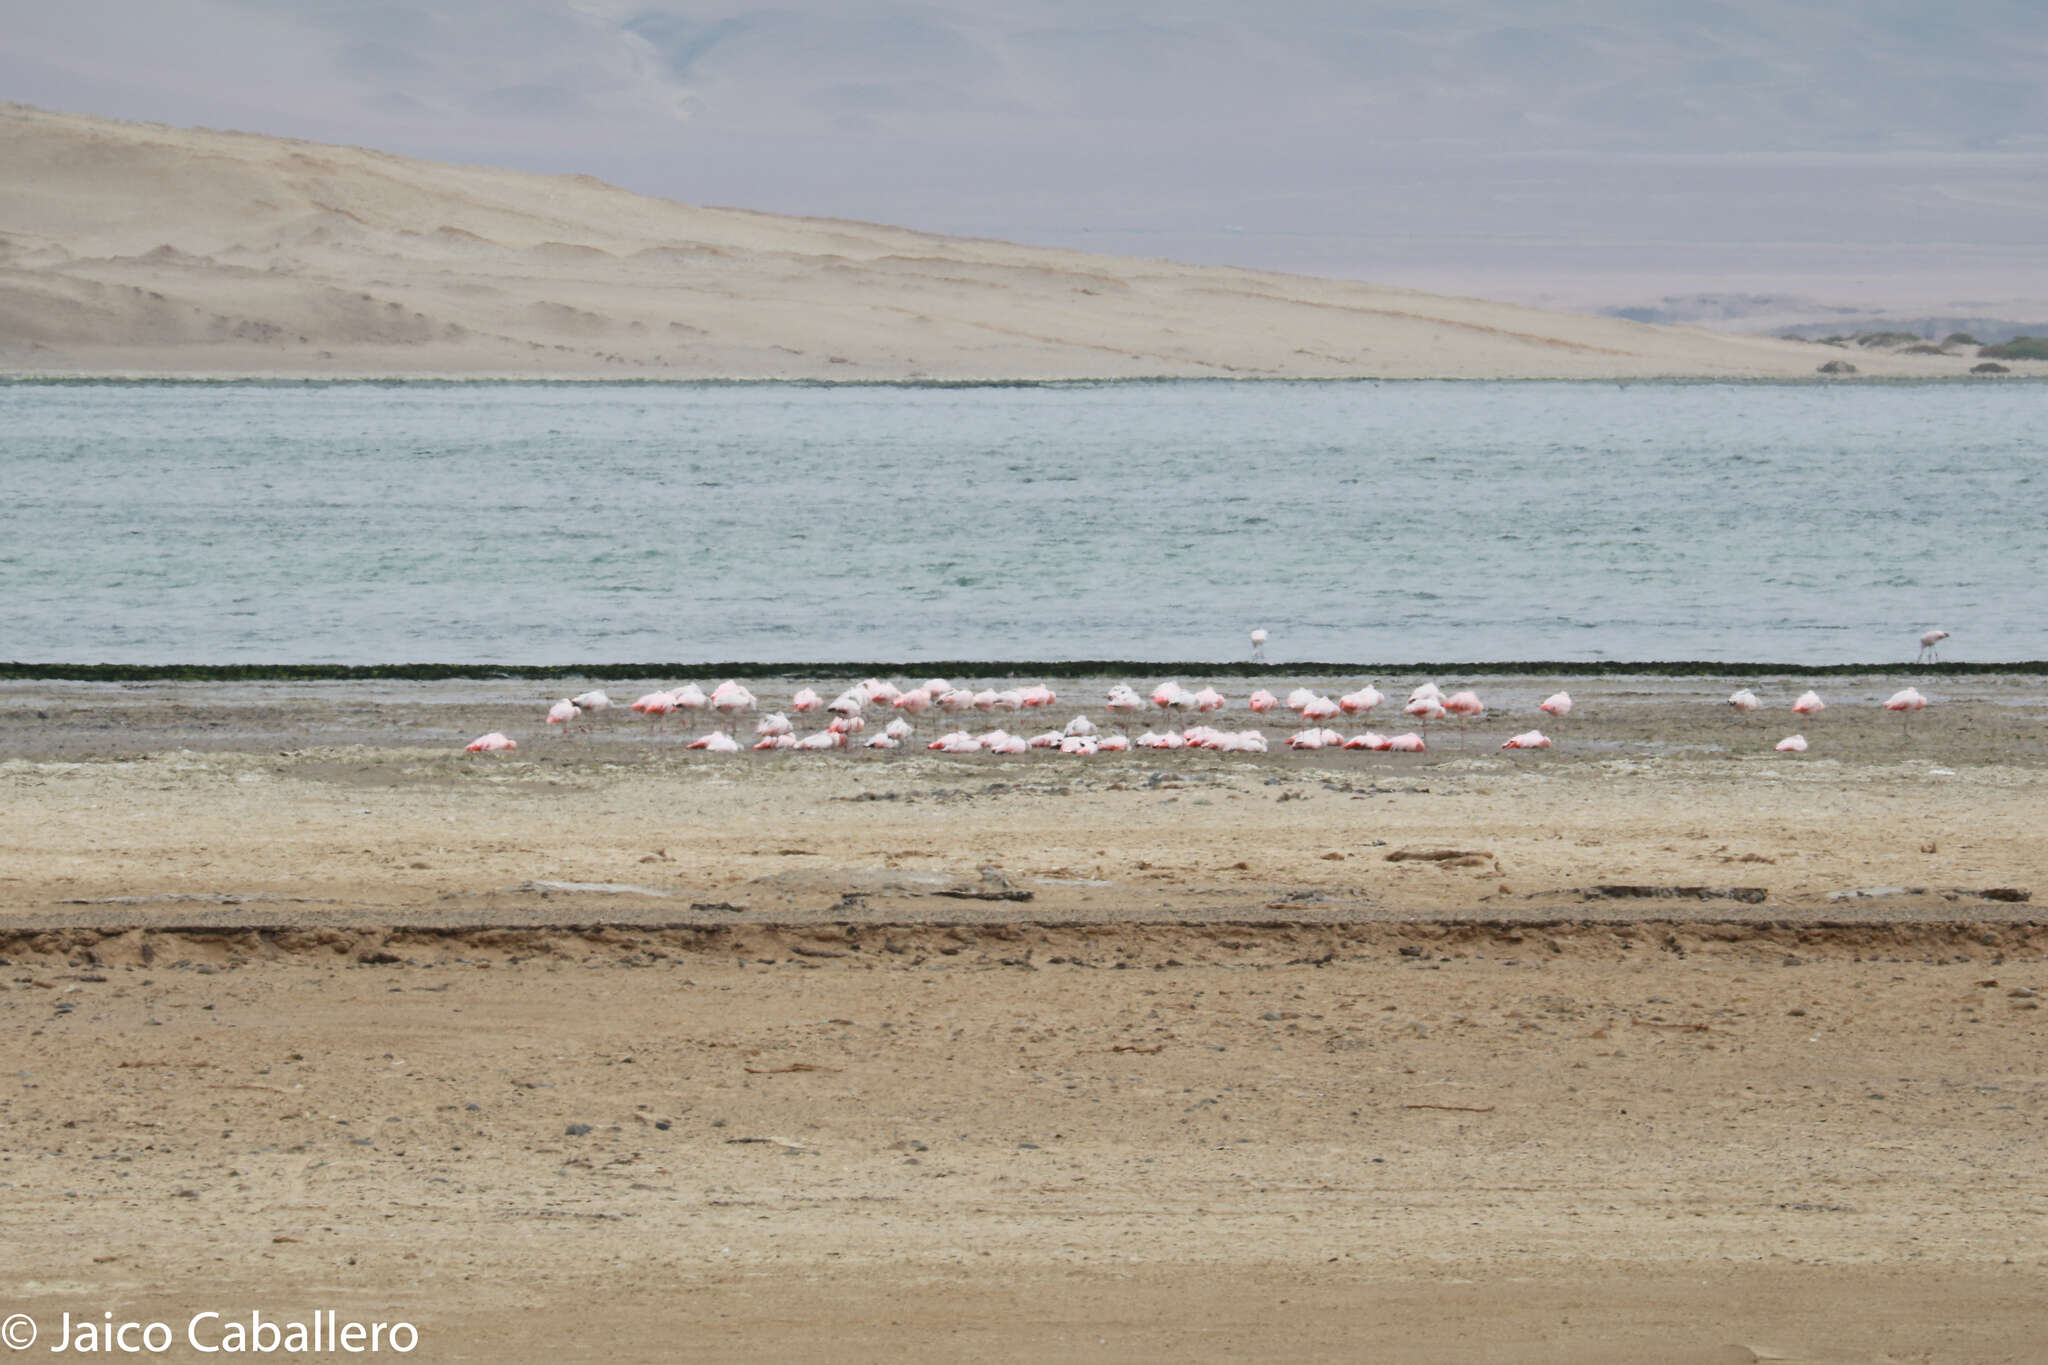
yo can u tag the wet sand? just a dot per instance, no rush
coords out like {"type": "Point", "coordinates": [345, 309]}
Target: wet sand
{"type": "Point", "coordinates": [914, 1057]}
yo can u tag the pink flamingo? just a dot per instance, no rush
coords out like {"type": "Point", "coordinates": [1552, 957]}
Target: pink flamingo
{"type": "Point", "coordinates": [1362, 701]}
{"type": "Point", "coordinates": [564, 713]}
{"type": "Point", "coordinates": [1906, 702]}
{"type": "Point", "coordinates": [1528, 739]}
{"type": "Point", "coordinates": [1743, 702]}
{"type": "Point", "coordinates": [492, 743]}
{"type": "Point", "coordinates": [1809, 705]}
{"type": "Point", "coordinates": [1425, 709]}
{"type": "Point", "coordinates": [1928, 643]}
{"type": "Point", "coordinates": [1261, 702]}
{"type": "Point", "coordinates": [1792, 744]}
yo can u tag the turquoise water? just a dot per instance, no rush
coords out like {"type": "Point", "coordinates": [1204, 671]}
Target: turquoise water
{"type": "Point", "coordinates": [558, 523]}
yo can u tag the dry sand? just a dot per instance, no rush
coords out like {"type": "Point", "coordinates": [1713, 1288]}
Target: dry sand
{"type": "Point", "coordinates": [281, 1032]}
{"type": "Point", "coordinates": [130, 248]}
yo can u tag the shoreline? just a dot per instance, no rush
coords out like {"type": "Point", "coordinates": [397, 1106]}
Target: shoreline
{"type": "Point", "coordinates": [1707, 671]}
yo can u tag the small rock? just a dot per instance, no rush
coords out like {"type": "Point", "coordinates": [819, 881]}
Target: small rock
{"type": "Point", "coordinates": [577, 1129]}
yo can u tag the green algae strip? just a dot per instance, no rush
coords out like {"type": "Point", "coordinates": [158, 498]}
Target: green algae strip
{"type": "Point", "coordinates": [991, 668]}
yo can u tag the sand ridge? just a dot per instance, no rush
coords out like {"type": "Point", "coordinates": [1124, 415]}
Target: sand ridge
{"type": "Point", "coordinates": [129, 248]}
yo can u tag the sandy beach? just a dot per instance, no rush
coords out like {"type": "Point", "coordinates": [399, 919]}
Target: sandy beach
{"type": "Point", "coordinates": [142, 249]}
{"type": "Point", "coordinates": [1687, 1051]}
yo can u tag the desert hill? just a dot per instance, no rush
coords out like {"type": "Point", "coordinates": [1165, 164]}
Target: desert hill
{"type": "Point", "coordinates": [130, 248]}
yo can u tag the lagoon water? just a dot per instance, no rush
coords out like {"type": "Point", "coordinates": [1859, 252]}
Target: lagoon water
{"type": "Point", "coordinates": [1370, 522]}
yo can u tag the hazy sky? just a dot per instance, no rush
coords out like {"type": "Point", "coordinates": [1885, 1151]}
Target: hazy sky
{"type": "Point", "coordinates": [1577, 150]}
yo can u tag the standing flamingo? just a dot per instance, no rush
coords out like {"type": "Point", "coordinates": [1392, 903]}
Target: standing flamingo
{"type": "Point", "coordinates": [1928, 643]}
{"type": "Point", "coordinates": [1465, 706]}
{"type": "Point", "coordinates": [1743, 702]}
{"type": "Point", "coordinates": [1906, 702]}
{"type": "Point", "coordinates": [1259, 645]}
{"type": "Point", "coordinates": [1362, 701]}
{"type": "Point", "coordinates": [1809, 705]}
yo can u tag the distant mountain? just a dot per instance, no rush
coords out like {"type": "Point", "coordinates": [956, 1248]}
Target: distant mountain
{"type": "Point", "coordinates": [1795, 316]}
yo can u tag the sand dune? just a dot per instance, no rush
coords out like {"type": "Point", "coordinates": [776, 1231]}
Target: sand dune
{"type": "Point", "coordinates": [139, 248]}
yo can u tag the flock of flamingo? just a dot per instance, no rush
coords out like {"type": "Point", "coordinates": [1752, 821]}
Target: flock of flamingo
{"type": "Point", "coordinates": [732, 704]}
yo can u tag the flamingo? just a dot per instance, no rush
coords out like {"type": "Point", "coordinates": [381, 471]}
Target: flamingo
{"type": "Point", "coordinates": [898, 729]}
{"type": "Point", "coordinates": [690, 697]}
{"type": "Point", "coordinates": [492, 743]}
{"type": "Point", "coordinates": [1320, 709]}
{"type": "Point", "coordinates": [1906, 702]}
{"type": "Point", "coordinates": [1171, 696]}
{"type": "Point", "coordinates": [1123, 703]}
{"type": "Point", "coordinates": [1407, 744]}
{"type": "Point", "coordinates": [1261, 702]}
{"type": "Point", "coordinates": [782, 739]}
{"type": "Point", "coordinates": [1743, 703]}
{"type": "Point", "coordinates": [1259, 638]}
{"type": "Point", "coordinates": [1928, 643]}
{"type": "Point", "coordinates": [1792, 744]}
{"type": "Point", "coordinates": [1558, 705]}
{"type": "Point", "coordinates": [773, 724]}
{"type": "Point", "coordinates": [717, 742]}
{"type": "Point", "coordinates": [731, 701]}
{"type": "Point", "coordinates": [1209, 699]}
{"type": "Point", "coordinates": [1809, 705]}
{"type": "Point", "coordinates": [1466, 706]}
{"type": "Point", "coordinates": [1080, 725]}
{"type": "Point", "coordinates": [1360, 702]}
{"type": "Point", "coordinates": [594, 703]}
{"type": "Point", "coordinates": [805, 701]}
{"type": "Point", "coordinates": [1425, 709]}
{"type": "Point", "coordinates": [885, 741]}
{"type": "Point", "coordinates": [1528, 739]}
{"type": "Point", "coordinates": [1113, 744]}
{"type": "Point", "coordinates": [913, 703]}
{"type": "Point", "coordinates": [564, 713]}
